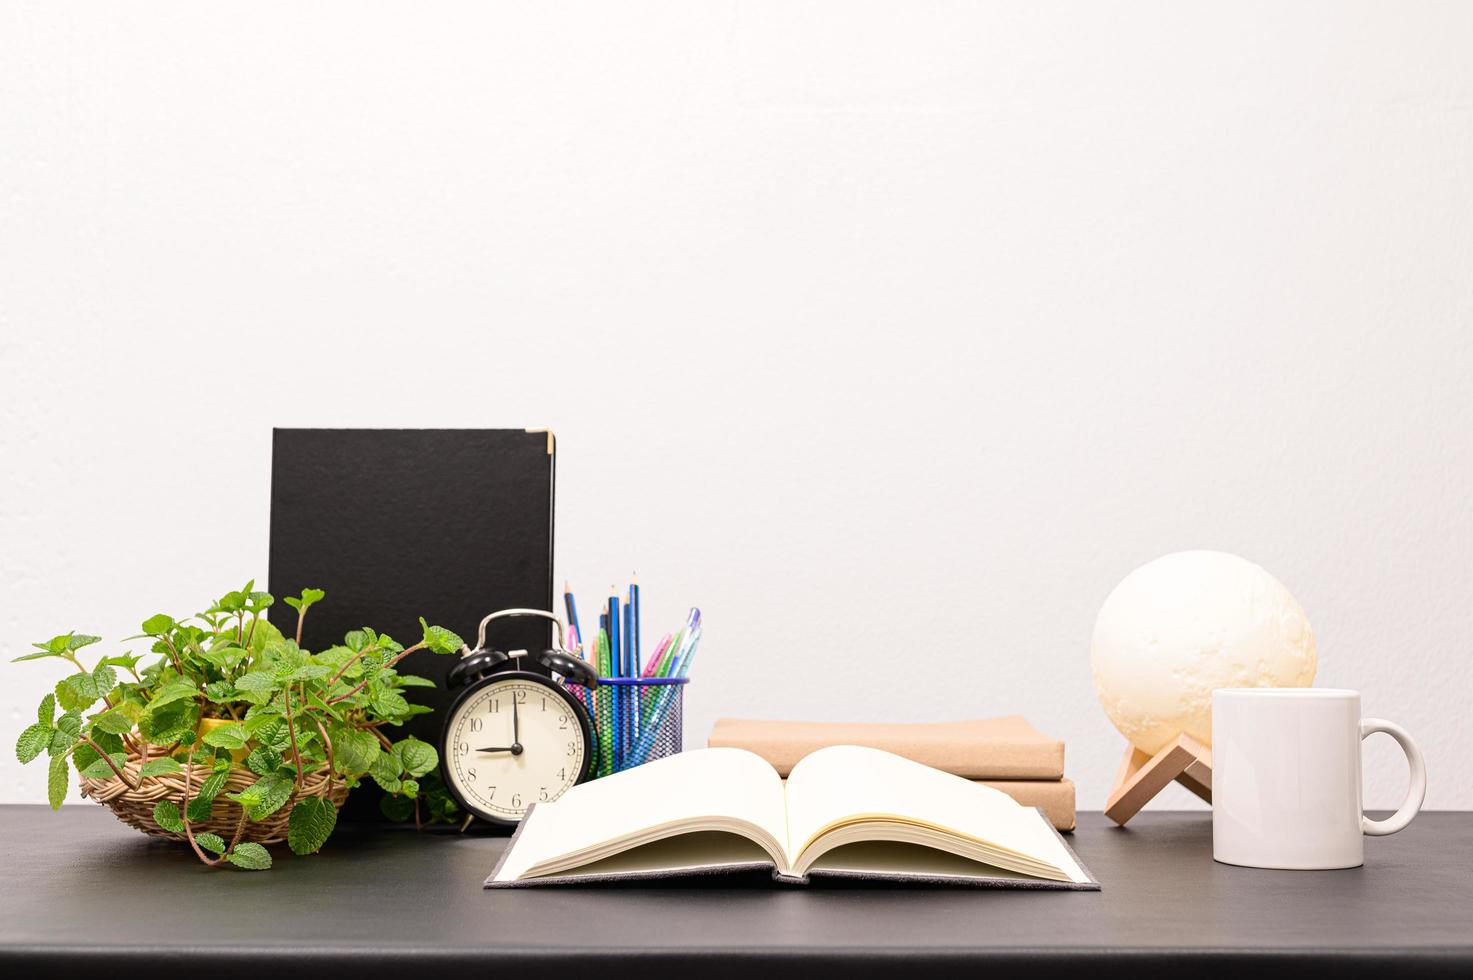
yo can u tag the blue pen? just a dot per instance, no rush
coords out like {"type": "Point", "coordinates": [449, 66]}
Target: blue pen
{"type": "Point", "coordinates": [631, 698]}
{"type": "Point", "coordinates": [665, 701]}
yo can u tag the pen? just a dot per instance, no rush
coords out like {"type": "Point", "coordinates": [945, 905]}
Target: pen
{"type": "Point", "coordinates": [572, 608]}
{"type": "Point", "coordinates": [616, 658]}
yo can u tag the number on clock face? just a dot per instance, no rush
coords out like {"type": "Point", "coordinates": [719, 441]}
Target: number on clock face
{"type": "Point", "coordinates": [513, 743]}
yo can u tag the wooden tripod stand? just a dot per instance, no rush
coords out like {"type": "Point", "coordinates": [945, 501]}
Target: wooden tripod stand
{"type": "Point", "coordinates": [1142, 776]}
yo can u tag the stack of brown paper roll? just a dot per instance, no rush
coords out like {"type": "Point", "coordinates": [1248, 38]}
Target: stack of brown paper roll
{"type": "Point", "coordinates": [1005, 753]}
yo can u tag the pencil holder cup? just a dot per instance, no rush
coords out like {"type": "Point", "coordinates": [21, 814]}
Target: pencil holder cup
{"type": "Point", "coordinates": [637, 720]}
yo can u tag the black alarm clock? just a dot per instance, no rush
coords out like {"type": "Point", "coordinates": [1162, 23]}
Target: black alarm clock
{"type": "Point", "coordinates": [514, 737]}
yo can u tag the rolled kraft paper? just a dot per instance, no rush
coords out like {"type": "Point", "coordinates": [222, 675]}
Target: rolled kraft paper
{"type": "Point", "coordinates": [988, 748]}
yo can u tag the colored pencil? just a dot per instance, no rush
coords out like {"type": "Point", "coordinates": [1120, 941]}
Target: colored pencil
{"type": "Point", "coordinates": [634, 622]}
{"type": "Point", "coordinates": [603, 701]}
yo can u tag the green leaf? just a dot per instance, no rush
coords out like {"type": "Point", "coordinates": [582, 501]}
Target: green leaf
{"type": "Point", "coordinates": [172, 722]}
{"type": "Point", "coordinates": [56, 781]}
{"type": "Point", "coordinates": [257, 686]}
{"type": "Point", "coordinates": [211, 785]}
{"type": "Point", "coordinates": [389, 703]}
{"type": "Point", "coordinates": [85, 754]}
{"type": "Point", "coordinates": [224, 656]}
{"type": "Point", "coordinates": [127, 661]}
{"type": "Point", "coordinates": [308, 597]}
{"type": "Point", "coordinates": [32, 742]}
{"type": "Point", "coordinates": [321, 705]}
{"type": "Point", "coordinates": [410, 680]}
{"type": "Point", "coordinates": [174, 689]}
{"type": "Point", "coordinates": [250, 856]}
{"type": "Point", "coordinates": [200, 809]}
{"type": "Point", "coordinates": [385, 771]}
{"type": "Point", "coordinates": [263, 760]}
{"type": "Point", "coordinates": [258, 716]}
{"type": "Point", "coordinates": [416, 757]}
{"type": "Point", "coordinates": [47, 710]}
{"type": "Point", "coordinates": [115, 721]}
{"type": "Point", "coordinates": [61, 742]}
{"type": "Point", "coordinates": [166, 815]}
{"type": "Point", "coordinates": [104, 679]}
{"type": "Point", "coordinates": [263, 633]}
{"type": "Point", "coordinates": [310, 824]}
{"type": "Point", "coordinates": [76, 641]}
{"type": "Point", "coordinates": [437, 639]}
{"type": "Point", "coordinates": [160, 767]}
{"type": "Point", "coordinates": [210, 842]}
{"type": "Point", "coordinates": [76, 692]}
{"type": "Point", "coordinates": [309, 672]}
{"type": "Point", "coordinates": [221, 692]}
{"type": "Point", "coordinates": [232, 736]}
{"type": "Point", "coordinates": [354, 751]}
{"type": "Point", "coordinates": [41, 655]}
{"type": "Point", "coordinates": [99, 769]}
{"type": "Point", "coordinates": [158, 625]}
{"type": "Point", "coordinates": [265, 796]}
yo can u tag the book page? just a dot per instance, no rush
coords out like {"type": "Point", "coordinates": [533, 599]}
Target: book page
{"type": "Point", "coordinates": [706, 789]}
{"type": "Point", "coordinates": [845, 785]}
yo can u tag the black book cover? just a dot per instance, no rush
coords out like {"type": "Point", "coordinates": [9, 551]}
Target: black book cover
{"type": "Point", "coordinates": [394, 524]}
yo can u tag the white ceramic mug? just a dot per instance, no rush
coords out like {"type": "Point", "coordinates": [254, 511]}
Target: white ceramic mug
{"type": "Point", "coordinates": [1286, 771]}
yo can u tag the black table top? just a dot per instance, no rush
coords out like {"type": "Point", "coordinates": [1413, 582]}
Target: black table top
{"type": "Point", "coordinates": [84, 892]}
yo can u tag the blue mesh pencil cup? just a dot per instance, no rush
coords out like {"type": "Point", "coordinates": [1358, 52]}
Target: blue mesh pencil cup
{"type": "Point", "coordinates": [650, 720]}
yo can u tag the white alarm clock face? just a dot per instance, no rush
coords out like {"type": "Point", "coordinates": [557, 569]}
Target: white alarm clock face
{"type": "Point", "coordinates": [511, 743]}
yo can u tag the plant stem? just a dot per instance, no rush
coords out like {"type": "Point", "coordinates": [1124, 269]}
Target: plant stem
{"type": "Point", "coordinates": [291, 729]}
{"type": "Point", "coordinates": [350, 662]}
{"type": "Point", "coordinates": [184, 814]}
{"type": "Point", "coordinates": [301, 617]}
{"type": "Point", "coordinates": [326, 742]}
{"type": "Point", "coordinates": [173, 655]}
{"type": "Point", "coordinates": [364, 682]}
{"type": "Point", "coordinates": [110, 763]}
{"type": "Point", "coordinates": [252, 632]}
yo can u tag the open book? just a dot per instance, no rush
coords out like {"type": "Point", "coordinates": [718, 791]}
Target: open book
{"type": "Point", "coordinates": [844, 811]}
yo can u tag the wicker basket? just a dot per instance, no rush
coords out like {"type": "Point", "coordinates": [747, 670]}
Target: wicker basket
{"type": "Point", "coordinates": [135, 806]}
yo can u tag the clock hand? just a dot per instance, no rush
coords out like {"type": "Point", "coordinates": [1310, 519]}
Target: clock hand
{"type": "Point", "coordinates": [496, 748]}
{"type": "Point", "coordinates": [516, 724]}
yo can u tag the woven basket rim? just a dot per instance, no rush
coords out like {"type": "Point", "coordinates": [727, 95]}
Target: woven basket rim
{"type": "Point", "coordinates": [134, 805]}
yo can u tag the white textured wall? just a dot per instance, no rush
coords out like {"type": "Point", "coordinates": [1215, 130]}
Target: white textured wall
{"type": "Point", "coordinates": [893, 334]}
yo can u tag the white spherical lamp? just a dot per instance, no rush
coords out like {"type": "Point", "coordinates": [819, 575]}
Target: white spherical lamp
{"type": "Point", "coordinates": [1185, 624]}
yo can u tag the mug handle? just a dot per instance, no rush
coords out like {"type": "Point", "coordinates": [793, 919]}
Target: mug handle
{"type": "Point", "coordinates": [1416, 791]}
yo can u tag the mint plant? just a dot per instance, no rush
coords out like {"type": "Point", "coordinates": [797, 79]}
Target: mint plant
{"type": "Point", "coordinates": [289, 712]}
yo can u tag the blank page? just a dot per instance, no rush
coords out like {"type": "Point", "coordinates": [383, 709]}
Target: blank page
{"type": "Point", "coordinates": [708, 784]}
{"type": "Point", "coordinates": [846, 782]}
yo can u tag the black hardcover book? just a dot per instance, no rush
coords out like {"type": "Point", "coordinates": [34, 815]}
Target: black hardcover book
{"type": "Point", "coordinates": [394, 524]}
